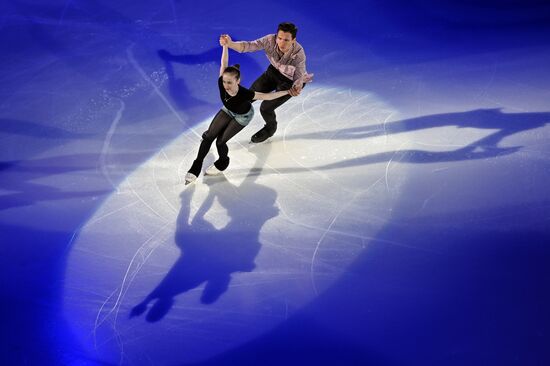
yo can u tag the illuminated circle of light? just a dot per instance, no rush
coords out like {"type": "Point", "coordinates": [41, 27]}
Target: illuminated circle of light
{"type": "Point", "coordinates": [230, 257]}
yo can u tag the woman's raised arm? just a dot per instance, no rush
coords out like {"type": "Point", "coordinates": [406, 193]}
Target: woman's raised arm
{"type": "Point", "coordinates": [224, 60]}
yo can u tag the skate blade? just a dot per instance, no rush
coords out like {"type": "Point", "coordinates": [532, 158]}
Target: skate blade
{"type": "Point", "coordinates": [259, 143]}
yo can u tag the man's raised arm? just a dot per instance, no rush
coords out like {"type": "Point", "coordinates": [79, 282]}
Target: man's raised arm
{"type": "Point", "coordinates": [243, 46]}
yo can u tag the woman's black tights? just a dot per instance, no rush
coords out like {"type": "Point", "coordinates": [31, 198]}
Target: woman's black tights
{"type": "Point", "coordinates": [222, 128]}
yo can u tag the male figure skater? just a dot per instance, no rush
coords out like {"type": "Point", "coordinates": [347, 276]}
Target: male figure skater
{"type": "Point", "coordinates": [287, 71]}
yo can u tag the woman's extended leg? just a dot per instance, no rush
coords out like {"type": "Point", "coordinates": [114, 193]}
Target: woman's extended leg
{"type": "Point", "coordinates": [216, 128]}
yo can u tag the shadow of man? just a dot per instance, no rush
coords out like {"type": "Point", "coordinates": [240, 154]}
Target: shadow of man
{"type": "Point", "coordinates": [209, 255]}
{"type": "Point", "coordinates": [504, 124]}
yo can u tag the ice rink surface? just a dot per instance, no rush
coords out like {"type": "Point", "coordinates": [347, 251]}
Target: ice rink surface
{"type": "Point", "coordinates": [399, 216]}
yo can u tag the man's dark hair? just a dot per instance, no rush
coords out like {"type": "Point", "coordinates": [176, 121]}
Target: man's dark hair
{"type": "Point", "coordinates": [288, 28]}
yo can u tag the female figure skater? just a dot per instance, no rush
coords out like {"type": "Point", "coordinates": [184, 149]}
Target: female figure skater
{"type": "Point", "coordinates": [236, 113]}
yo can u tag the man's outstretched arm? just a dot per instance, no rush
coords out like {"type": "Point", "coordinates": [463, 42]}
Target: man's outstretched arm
{"type": "Point", "coordinates": [243, 46]}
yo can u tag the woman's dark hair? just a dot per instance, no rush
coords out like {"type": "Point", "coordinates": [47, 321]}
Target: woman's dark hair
{"type": "Point", "coordinates": [233, 70]}
{"type": "Point", "coordinates": [288, 28]}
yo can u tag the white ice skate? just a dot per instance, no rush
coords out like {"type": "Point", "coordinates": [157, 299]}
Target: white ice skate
{"type": "Point", "coordinates": [212, 170]}
{"type": "Point", "coordinates": [190, 178]}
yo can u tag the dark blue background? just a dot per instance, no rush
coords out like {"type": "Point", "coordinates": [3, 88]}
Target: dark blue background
{"type": "Point", "coordinates": [477, 294]}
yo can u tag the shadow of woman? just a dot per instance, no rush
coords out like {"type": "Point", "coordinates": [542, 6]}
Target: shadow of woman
{"type": "Point", "coordinates": [210, 255]}
{"type": "Point", "coordinates": [181, 93]}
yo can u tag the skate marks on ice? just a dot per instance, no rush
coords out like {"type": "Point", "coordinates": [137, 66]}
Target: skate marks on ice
{"type": "Point", "coordinates": [176, 273]}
